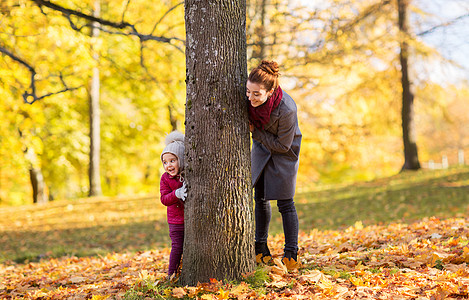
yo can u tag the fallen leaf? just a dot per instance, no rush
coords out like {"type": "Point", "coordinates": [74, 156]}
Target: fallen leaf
{"type": "Point", "coordinates": [179, 292]}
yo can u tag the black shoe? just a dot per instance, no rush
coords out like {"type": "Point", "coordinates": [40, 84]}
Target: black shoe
{"type": "Point", "coordinates": [261, 248]}
{"type": "Point", "coordinates": [291, 255]}
{"type": "Point", "coordinates": [262, 253]}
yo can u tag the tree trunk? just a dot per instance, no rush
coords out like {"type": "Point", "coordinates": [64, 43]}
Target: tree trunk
{"type": "Point", "coordinates": [260, 33]}
{"type": "Point", "coordinates": [36, 177]}
{"type": "Point", "coordinates": [219, 235]}
{"type": "Point", "coordinates": [37, 182]}
{"type": "Point", "coordinates": [408, 123]}
{"type": "Point", "coordinates": [95, 130]}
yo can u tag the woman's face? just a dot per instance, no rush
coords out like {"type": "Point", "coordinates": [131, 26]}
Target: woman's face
{"type": "Point", "coordinates": [256, 93]}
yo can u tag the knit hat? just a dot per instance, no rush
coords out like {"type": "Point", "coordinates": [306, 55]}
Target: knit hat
{"type": "Point", "coordinates": [175, 145]}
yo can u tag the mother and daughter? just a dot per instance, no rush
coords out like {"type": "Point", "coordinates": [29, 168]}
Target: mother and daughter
{"type": "Point", "coordinates": [273, 123]}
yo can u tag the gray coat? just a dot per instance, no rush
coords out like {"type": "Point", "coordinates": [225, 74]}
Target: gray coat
{"type": "Point", "coordinates": [276, 149]}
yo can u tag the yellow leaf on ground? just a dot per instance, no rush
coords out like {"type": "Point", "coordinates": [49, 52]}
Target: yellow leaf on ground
{"type": "Point", "coordinates": [291, 264]}
{"type": "Point", "coordinates": [239, 289]}
{"type": "Point", "coordinates": [223, 294]}
{"type": "Point", "coordinates": [325, 284]}
{"type": "Point", "coordinates": [179, 292]}
{"type": "Point", "coordinates": [312, 277]}
{"type": "Point", "coordinates": [100, 297]}
{"type": "Point", "coordinates": [356, 281]}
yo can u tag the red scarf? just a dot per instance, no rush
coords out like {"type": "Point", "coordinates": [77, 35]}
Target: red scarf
{"type": "Point", "coordinates": [259, 116]}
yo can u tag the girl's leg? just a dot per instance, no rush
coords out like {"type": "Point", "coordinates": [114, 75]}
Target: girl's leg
{"type": "Point", "coordinates": [176, 233]}
{"type": "Point", "coordinates": [290, 227]}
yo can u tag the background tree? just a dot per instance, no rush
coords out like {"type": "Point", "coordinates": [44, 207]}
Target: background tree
{"type": "Point", "coordinates": [219, 241]}
{"type": "Point", "coordinates": [95, 129]}
{"type": "Point", "coordinates": [132, 93]}
{"type": "Point", "coordinates": [339, 61]}
{"type": "Point", "coordinates": [411, 159]}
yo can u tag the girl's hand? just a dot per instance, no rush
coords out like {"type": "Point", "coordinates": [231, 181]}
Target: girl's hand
{"type": "Point", "coordinates": [181, 192]}
{"type": "Point", "coordinates": [251, 127]}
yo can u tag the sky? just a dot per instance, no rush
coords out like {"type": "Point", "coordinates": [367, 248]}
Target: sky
{"type": "Point", "coordinates": [451, 41]}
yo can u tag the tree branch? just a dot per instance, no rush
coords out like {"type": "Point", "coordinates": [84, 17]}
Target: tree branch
{"type": "Point", "coordinates": [32, 87]}
{"type": "Point", "coordinates": [166, 13]}
{"type": "Point", "coordinates": [17, 59]}
{"type": "Point", "coordinates": [71, 12]}
{"type": "Point", "coordinates": [442, 25]}
{"type": "Point", "coordinates": [121, 25]}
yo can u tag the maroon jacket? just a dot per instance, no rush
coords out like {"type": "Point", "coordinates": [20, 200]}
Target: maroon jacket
{"type": "Point", "coordinates": [175, 207]}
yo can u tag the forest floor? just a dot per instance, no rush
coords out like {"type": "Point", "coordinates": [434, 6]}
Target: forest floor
{"type": "Point", "coordinates": [402, 237]}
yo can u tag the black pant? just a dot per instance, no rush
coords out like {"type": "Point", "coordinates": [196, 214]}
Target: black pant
{"type": "Point", "coordinates": [263, 214]}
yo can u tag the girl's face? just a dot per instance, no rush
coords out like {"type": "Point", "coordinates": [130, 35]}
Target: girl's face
{"type": "Point", "coordinates": [171, 164]}
{"type": "Point", "coordinates": [257, 94]}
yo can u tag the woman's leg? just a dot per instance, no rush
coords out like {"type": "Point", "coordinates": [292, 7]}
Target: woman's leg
{"type": "Point", "coordinates": [290, 227]}
{"type": "Point", "coordinates": [263, 215]}
{"type": "Point", "coordinates": [263, 211]}
{"type": "Point", "coordinates": [176, 233]}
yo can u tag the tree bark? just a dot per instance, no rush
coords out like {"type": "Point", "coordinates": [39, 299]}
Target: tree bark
{"type": "Point", "coordinates": [260, 33]}
{"type": "Point", "coordinates": [219, 235]}
{"type": "Point", "coordinates": [95, 128]}
{"type": "Point", "coordinates": [38, 185]}
{"type": "Point", "coordinates": [411, 161]}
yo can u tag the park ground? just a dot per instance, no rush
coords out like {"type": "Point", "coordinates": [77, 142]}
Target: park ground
{"type": "Point", "coordinates": [402, 237]}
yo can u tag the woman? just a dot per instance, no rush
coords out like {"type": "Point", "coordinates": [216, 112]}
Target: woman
{"type": "Point", "coordinates": [274, 156]}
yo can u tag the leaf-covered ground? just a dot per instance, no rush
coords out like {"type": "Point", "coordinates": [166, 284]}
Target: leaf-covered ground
{"type": "Point", "coordinates": [422, 260]}
{"type": "Point", "coordinates": [404, 237]}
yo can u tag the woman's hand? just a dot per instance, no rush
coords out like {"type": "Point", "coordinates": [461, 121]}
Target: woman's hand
{"type": "Point", "coordinates": [251, 127]}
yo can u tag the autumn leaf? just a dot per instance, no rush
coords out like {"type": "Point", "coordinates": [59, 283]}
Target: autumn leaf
{"type": "Point", "coordinates": [356, 281]}
{"type": "Point", "coordinates": [100, 297]}
{"type": "Point", "coordinates": [223, 294]}
{"type": "Point", "coordinates": [239, 289]}
{"type": "Point", "coordinates": [207, 297]}
{"type": "Point", "coordinates": [144, 275]}
{"type": "Point", "coordinates": [179, 292]}
{"type": "Point", "coordinates": [193, 291]}
{"type": "Point", "coordinates": [279, 268]}
{"type": "Point", "coordinates": [326, 285]}
{"type": "Point", "coordinates": [313, 276]}
{"type": "Point", "coordinates": [291, 264]}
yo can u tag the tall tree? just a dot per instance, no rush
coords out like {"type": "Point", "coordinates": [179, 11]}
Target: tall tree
{"type": "Point", "coordinates": [219, 241]}
{"type": "Point", "coordinates": [95, 131]}
{"type": "Point", "coordinates": [409, 136]}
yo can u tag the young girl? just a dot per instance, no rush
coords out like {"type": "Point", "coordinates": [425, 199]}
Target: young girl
{"type": "Point", "coordinates": [274, 156]}
{"type": "Point", "coordinates": [173, 194]}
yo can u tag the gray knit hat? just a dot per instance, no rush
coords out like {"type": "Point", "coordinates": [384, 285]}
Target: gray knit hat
{"type": "Point", "coordinates": [175, 145]}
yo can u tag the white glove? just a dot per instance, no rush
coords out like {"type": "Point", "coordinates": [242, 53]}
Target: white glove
{"type": "Point", "coordinates": [181, 192]}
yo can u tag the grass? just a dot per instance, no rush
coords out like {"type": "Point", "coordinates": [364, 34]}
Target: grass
{"type": "Point", "coordinates": [96, 226]}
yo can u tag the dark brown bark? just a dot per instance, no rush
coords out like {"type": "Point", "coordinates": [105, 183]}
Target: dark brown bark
{"type": "Point", "coordinates": [38, 185]}
{"type": "Point", "coordinates": [219, 237]}
{"type": "Point", "coordinates": [408, 123]}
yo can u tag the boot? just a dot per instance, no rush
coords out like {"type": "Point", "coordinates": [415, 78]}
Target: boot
{"type": "Point", "coordinates": [291, 255]}
{"type": "Point", "coordinates": [262, 253]}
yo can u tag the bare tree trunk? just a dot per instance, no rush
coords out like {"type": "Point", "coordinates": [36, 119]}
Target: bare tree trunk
{"type": "Point", "coordinates": [172, 117]}
{"type": "Point", "coordinates": [408, 123]}
{"type": "Point", "coordinates": [260, 33]}
{"type": "Point", "coordinates": [95, 129]}
{"type": "Point", "coordinates": [38, 185]}
{"type": "Point", "coordinates": [219, 235]}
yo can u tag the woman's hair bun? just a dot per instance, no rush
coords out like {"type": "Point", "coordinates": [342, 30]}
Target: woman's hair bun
{"type": "Point", "coordinates": [270, 67]}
